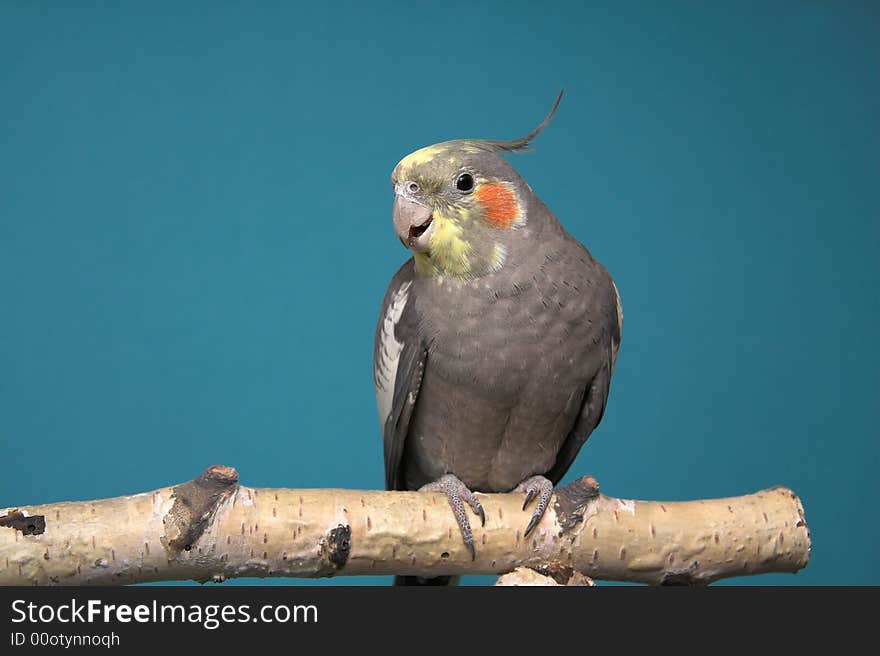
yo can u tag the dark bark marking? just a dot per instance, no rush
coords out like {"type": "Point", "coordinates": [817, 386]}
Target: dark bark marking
{"type": "Point", "coordinates": [573, 499]}
{"type": "Point", "coordinates": [335, 548]}
{"type": "Point", "coordinates": [194, 506]}
{"type": "Point", "coordinates": [33, 525]}
{"type": "Point", "coordinates": [556, 571]}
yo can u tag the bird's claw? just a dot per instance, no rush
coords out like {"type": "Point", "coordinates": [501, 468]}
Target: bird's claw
{"type": "Point", "coordinates": [536, 486]}
{"type": "Point", "coordinates": [530, 494]}
{"type": "Point", "coordinates": [457, 493]}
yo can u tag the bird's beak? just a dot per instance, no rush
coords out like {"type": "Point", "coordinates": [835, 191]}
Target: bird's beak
{"type": "Point", "coordinates": [414, 223]}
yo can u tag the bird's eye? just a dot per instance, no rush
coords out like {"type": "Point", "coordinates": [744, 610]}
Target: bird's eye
{"type": "Point", "coordinates": [464, 182]}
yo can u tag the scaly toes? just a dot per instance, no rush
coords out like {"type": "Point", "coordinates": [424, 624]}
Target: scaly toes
{"type": "Point", "coordinates": [474, 503]}
{"type": "Point", "coordinates": [458, 494]}
{"type": "Point", "coordinates": [536, 486]}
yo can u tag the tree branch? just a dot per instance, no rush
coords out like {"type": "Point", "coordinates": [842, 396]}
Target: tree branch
{"type": "Point", "coordinates": [212, 528]}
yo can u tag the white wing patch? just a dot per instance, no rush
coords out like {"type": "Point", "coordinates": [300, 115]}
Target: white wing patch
{"type": "Point", "coordinates": [615, 347]}
{"type": "Point", "coordinates": [389, 353]}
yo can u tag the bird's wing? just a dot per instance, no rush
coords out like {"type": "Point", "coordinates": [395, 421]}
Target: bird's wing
{"type": "Point", "coordinates": [399, 357]}
{"type": "Point", "coordinates": [593, 406]}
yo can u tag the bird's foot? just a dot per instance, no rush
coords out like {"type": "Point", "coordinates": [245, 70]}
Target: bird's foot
{"type": "Point", "coordinates": [458, 494]}
{"type": "Point", "coordinates": [536, 486]}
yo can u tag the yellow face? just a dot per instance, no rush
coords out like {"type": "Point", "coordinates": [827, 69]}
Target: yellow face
{"type": "Point", "coordinates": [456, 207]}
{"type": "Point", "coordinates": [457, 204]}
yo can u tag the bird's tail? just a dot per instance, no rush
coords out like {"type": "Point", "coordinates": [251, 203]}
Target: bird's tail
{"type": "Point", "coordinates": [421, 580]}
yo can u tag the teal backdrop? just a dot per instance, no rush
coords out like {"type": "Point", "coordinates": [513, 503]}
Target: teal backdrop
{"type": "Point", "coordinates": [195, 236]}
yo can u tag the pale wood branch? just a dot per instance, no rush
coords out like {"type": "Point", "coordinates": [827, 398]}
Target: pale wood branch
{"type": "Point", "coordinates": [212, 528]}
{"type": "Point", "coordinates": [526, 576]}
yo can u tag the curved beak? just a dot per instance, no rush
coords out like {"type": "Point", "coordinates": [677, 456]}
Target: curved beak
{"type": "Point", "coordinates": [413, 223]}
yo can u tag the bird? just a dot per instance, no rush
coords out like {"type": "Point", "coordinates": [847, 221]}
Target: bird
{"type": "Point", "coordinates": [496, 340]}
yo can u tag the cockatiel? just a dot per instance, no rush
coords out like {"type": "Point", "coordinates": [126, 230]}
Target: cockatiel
{"type": "Point", "coordinates": [495, 342]}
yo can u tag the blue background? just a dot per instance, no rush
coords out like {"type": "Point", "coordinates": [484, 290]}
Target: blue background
{"type": "Point", "coordinates": [195, 236]}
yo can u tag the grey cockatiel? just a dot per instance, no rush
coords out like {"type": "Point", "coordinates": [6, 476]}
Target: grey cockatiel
{"type": "Point", "coordinates": [496, 340]}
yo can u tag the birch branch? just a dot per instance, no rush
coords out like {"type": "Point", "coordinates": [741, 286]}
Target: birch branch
{"type": "Point", "coordinates": [212, 528]}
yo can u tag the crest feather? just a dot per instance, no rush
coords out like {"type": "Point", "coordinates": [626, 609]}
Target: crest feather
{"type": "Point", "coordinates": [514, 145]}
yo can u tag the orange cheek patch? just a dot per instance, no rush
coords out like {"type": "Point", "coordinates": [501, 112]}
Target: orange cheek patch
{"type": "Point", "coordinates": [500, 207]}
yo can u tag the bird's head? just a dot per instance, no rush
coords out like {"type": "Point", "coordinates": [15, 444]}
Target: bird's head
{"type": "Point", "coordinates": [457, 204]}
